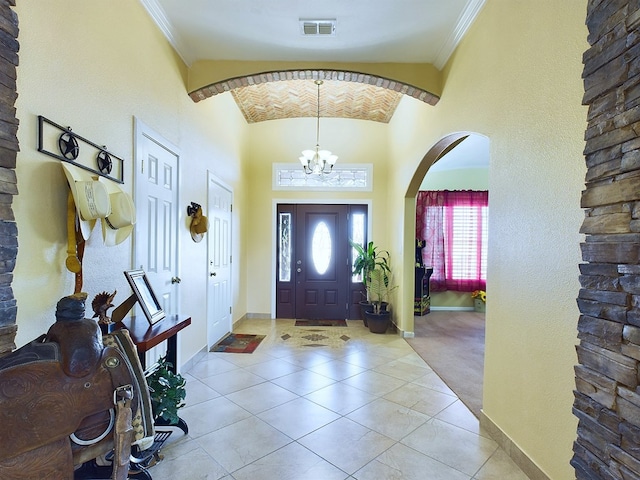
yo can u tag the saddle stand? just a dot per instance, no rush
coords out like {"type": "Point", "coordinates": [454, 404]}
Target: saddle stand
{"type": "Point", "coordinates": [66, 398]}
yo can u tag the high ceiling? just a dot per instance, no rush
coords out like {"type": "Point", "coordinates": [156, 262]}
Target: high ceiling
{"type": "Point", "coordinates": [366, 31]}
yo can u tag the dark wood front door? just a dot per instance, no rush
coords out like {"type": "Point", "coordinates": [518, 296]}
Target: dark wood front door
{"type": "Point", "coordinates": [314, 265]}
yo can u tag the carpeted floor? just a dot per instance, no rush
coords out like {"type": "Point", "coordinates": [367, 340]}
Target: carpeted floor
{"type": "Point", "coordinates": [452, 343]}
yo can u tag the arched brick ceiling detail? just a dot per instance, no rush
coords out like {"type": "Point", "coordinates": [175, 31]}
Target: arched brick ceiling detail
{"type": "Point", "coordinates": [345, 94]}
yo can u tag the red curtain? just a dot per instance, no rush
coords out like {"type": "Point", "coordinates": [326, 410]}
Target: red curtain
{"type": "Point", "coordinates": [451, 225]}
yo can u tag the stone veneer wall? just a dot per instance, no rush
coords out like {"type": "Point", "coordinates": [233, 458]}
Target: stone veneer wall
{"type": "Point", "coordinates": [8, 183]}
{"type": "Point", "coordinates": [607, 396]}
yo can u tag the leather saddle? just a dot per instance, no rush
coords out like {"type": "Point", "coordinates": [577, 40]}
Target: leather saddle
{"type": "Point", "coordinates": [66, 398]}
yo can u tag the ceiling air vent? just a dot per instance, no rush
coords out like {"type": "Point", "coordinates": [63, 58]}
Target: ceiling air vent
{"type": "Point", "coordinates": [318, 27]}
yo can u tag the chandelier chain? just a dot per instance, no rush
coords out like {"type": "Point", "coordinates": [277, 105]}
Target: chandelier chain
{"type": "Point", "coordinates": [319, 162]}
{"type": "Point", "coordinates": [318, 121]}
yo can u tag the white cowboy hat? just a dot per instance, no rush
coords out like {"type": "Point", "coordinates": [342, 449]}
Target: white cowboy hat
{"type": "Point", "coordinates": [118, 225]}
{"type": "Point", "coordinates": [89, 195]}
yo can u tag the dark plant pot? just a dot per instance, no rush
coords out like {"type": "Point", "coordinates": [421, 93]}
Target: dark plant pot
{"type": "Point", "coordinates": [378, 322]}
{"type": "Point", "coordinates": [364, 307]}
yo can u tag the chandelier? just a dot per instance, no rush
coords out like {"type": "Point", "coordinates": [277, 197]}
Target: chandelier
{"type": "Point", "coordinates": [318, 161]}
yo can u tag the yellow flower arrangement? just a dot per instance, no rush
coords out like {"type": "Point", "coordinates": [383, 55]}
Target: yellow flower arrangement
{"type": "Point", "coordinates": [480, 294]}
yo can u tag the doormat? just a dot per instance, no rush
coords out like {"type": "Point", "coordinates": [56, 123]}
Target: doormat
{"type": "Point", "coordinates": [238, 343]}
{"type": "Point", "coordinates": [321, 323]}
{"type": "Point", "coordinates": [334, 338]}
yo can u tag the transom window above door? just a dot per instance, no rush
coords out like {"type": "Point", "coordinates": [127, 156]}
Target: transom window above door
{"type": "Point", "coordinates": [343, 177]}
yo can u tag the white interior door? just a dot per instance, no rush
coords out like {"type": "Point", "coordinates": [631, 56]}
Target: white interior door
{"type": "Point", "coordinates": [156, 231]}
{"type": "Point", "coordinates": [219, 301]}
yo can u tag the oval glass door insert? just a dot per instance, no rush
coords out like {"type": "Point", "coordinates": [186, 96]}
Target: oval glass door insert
{"type": "Point", "coordinates": [321, 248]}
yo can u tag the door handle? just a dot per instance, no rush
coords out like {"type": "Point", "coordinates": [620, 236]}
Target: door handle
{"type": "Point", "coordinates": [176, 279]}
{"type": "Point", "coordinates": [212, 274]}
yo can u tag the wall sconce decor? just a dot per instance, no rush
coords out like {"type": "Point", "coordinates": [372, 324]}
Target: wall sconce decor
{"type": "Point", "coordinates": [199, 223]}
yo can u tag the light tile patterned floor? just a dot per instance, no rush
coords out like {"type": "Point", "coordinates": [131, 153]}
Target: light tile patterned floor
{"type": "Point", "coordinates": [366, 408]}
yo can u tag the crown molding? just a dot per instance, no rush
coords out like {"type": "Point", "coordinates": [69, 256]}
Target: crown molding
{"type": "Point", "coordinates": [465, 20]}
{"type": "Point", "coordinates": [166, 27]}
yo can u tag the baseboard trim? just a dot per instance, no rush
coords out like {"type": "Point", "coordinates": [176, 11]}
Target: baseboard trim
{"type": "Point", "coordinates": [452, 309]}
{"type": "Point", "coordinates": [264, 316]}
{"type": "Point", "coordinates": [520, 458]}
{"type": "Point", "coordinates": [406, 334]}
{"type": "Point", "coordinates": [199, 355]}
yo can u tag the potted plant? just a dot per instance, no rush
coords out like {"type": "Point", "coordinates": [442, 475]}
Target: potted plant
{"type": "Point", "coordinates": [167, 391]}
{"type": "Point", "coordinates": [367, 259]}
{"type": "Point", "coordinates": [378, 290]}
{"type": "Point", "coordinates": [479, 300]}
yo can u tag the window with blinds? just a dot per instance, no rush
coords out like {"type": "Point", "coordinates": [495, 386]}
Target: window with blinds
{"type": "Point", "coordinates": [466, 230]}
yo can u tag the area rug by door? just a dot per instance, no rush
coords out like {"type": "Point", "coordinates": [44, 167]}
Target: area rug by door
{"type": "Point", "coordinates": [238, 343]}
{"type": "Point", "coordinates": [321, 323]}
{"type": "Point", "coordinates": [315, 337]}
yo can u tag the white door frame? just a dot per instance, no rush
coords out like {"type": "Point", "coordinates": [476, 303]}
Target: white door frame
{"type": "Point", "coordinates": [142, 134]}
{"type": "Point", "coordinates": [212, 178]}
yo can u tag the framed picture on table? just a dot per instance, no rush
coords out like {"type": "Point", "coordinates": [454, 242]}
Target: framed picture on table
{"type": "Point", "coordinates": [145, 295]}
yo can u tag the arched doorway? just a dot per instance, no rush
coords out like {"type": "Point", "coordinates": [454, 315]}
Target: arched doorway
{"type": "Point", "coordinates": [451, 337]}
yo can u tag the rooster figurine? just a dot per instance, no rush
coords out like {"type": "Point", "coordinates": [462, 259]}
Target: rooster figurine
{"type": "Point", "coordinates": [100, 304]}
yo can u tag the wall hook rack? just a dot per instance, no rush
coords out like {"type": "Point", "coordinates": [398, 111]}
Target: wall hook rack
{"type": "Point", "coordinates": [70, 147]}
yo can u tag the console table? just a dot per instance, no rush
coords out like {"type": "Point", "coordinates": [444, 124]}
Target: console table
{"type": "Point", "coordinates": [146, 336]}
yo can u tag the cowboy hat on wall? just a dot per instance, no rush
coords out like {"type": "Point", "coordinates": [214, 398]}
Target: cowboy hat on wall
{"type": "Point", "coordinates": [99, 198]}
{"type": "Point", "coordinates": [90, 197]}
{"type": "Point", "coordinates": [118, 225]}
{"type": "Point", "coordinates": [199, 223]}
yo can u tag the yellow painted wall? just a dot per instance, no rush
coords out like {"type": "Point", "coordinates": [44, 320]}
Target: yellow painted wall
{"type": "Point", "coordinates": [281, 141]}
{"type": "Point", "coordinates": [95, 65]}
{"type": "Point", "coordinates": [457, 179]}
{"type": "Point", "coordinates": [451, 300]}
{"type": "Point", "coordinates": [516, 78]}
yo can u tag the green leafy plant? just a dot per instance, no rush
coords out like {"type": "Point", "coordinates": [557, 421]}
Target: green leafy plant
{"type": "Point", "coordinates": [379, 288]}
{"type": "Point", "coordinates": [368, 259]}
{"type": "Point", "coordinates": [167, 391]}
{"type": "Point", "coordinates": [373, 264]}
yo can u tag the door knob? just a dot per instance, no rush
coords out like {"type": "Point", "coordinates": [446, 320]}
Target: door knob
{"type": "Point", "coordinates": [298, 269]}
{"type": "Point", "coordinates": [212, 274]}
{"type": "Point", "coordinates": [176, 279]}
